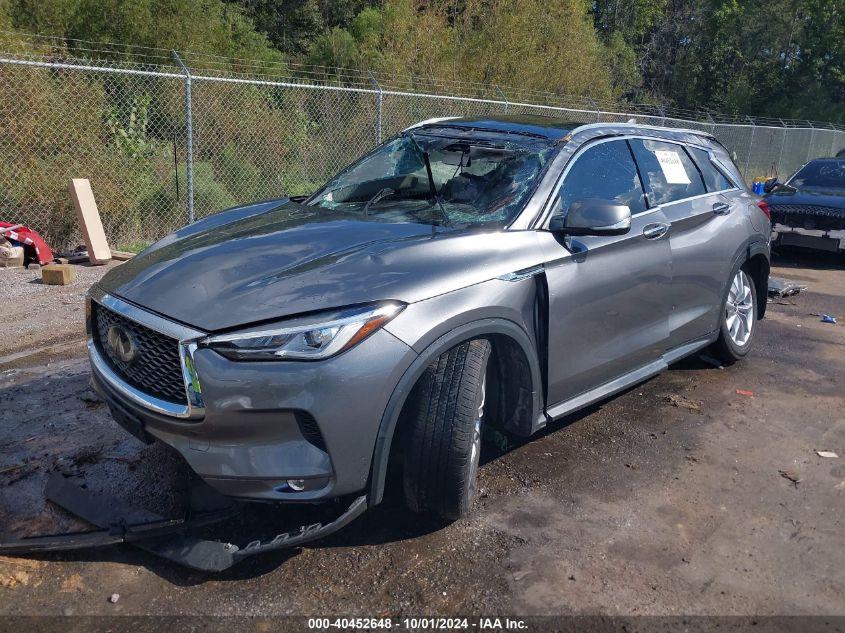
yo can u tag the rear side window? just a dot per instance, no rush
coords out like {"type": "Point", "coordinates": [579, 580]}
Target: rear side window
{"type": "Point", "coordinates": [605, 171]}
{"type": "Point", "coordinates": [713, 178]}
{"type": "Point", "coordinates": [668, 172]}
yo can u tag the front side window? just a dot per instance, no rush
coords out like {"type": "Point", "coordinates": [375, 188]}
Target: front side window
{"type": "Point", "coordinates": [605, 171]}
{"type": "Point", "coordinates": [713, 178]}
{"type": "Point", "coordinates": [476, 181]}
{"type": "Point", "coordinates": [668, 172]}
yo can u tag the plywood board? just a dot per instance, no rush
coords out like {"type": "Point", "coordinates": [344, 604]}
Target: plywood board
{"type": "Point", "coordinates": [89, 221]}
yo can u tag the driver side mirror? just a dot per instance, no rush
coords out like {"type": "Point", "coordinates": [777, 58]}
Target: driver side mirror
{"type": "Point", "coordinates": [592, 216]}
{"type": "Point", "coordinates": [770, 184]}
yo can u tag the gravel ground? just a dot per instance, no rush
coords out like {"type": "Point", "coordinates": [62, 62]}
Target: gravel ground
{"type": "Point", "coordinates": [46, 315]}
{"type": "Point", "coordinates": [667, 499]}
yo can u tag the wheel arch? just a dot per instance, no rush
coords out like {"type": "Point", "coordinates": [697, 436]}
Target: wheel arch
{"type": "Point", "coordinates": [757, 265]}
{"type": "Point", "coordinates": [508, 339]}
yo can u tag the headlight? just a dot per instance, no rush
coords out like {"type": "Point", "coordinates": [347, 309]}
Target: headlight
{"type": "Point", "coordinates": [309, 338]}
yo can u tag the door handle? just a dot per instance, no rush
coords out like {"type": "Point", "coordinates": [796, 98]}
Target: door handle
{"type": "Point", "coordinates": [721, 208]}
{"type": "Point", "coordinates": [655, 231]}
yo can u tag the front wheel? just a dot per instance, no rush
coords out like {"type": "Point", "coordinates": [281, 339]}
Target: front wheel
{"type": "Point", "coordinates": [445, 419]}
{"type": "Point", "coordinates": [739, 316]}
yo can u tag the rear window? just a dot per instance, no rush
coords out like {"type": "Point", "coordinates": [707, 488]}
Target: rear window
{"type": "Point", "coordinates": [668, 172]}
{"type": "Point", "coordinates": [713, 178]}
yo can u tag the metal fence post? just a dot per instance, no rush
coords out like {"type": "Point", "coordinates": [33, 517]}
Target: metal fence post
{"type": "Point", "coordinates": [812, 139]}
{"type": "Point", "coordinates": [750, 145]}
{"type": "Point", "coordinates": [379, 106]}
{"type": "Point", "coordinates": [833, 142]}
{"type": "Point", "coordinates": [662, 112]}
{"type": "Point", "coordinates": [504, 98]}
{"type": "Point", "coordinates": [595, 109]}
{"type": "Point", "coordinates": [712, 123]}
{"type": "Point", "coordinates": [782, 145]}
{"type": "Point", "coordinates": [189, 133]}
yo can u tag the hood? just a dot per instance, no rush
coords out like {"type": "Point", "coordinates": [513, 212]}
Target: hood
{"type": "Point", "coordinates": [277, 259]}
{"type": "Point", "coordinates": [821, 197]}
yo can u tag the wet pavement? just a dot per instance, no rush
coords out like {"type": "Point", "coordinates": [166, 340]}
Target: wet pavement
{"type": "Point", "coordinates": [667, 499]}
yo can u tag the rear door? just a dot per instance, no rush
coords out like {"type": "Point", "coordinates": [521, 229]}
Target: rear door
{"type": "Point", "coordinates": [608, 296]}
{"type": "Point", "coordinates": [682, 181]}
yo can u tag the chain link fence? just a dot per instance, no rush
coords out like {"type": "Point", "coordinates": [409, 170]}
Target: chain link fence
{"type": "Point", "coordinates": [166, 144]}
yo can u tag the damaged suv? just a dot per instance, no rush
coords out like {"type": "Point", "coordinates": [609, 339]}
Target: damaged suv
{"type": "Point", "coordinates": [467, 273]}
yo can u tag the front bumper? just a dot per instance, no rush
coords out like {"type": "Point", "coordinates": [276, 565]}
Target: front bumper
{"type": "Point", "coordinates": [257, 429]}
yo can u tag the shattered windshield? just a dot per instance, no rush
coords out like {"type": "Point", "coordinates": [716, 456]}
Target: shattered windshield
{"type": "Point", "coordinates": [475, 181]}
{"type": "Point", "coordinates": [820, 174]}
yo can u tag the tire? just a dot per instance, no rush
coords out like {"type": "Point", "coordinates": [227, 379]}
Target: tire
{"type": "Point", "coordinates": [445, 414]}
{"type": "Point", "coordinates": [736, 331]}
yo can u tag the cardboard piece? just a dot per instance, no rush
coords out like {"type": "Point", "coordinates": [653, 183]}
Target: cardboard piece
{"type": "Point", "coordinates": [57, 274]}
{"type": "Point", "coordinates": [89, 221]}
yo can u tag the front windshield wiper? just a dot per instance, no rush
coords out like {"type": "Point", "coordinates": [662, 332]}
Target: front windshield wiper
{"type": "Point", "coordinates": [380, 194]}
{"type": "Point", "coordinates": [435, 197]}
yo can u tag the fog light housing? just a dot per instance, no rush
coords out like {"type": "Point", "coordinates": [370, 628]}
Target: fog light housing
{"type": "Point", "coordinates": [303, 485]}
{"type": "Point", "coordinates": [296, 485]}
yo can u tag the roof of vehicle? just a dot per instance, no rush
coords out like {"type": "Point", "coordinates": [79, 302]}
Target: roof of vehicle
{"type": "Point", "coordinates": [549, 128]}
{"type": "Point", "coordinates": [539, 126]}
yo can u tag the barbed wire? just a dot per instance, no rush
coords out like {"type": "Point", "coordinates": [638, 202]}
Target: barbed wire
{"type": "Point", "coordinates": [81, 52]}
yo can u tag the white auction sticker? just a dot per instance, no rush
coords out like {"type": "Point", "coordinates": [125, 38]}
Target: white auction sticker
{"type": "Point", "coordinates": [673, 168]}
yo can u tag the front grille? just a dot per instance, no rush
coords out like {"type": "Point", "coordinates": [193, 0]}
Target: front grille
{"type": "Point", "coordinates": [156, 369]}
{"type": "Point", "coordinates": [808, 216]}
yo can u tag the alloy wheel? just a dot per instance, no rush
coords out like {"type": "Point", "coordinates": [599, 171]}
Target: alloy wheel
{"type": "Point", "coordinates": [739, 309]}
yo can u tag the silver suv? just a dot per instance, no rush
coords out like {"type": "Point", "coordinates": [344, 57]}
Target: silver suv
{"type": "Point", "coordinates": [467, 273]}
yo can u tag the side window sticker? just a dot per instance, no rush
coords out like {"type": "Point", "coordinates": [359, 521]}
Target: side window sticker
{"type": "Point", "coordinates": [672, 167]}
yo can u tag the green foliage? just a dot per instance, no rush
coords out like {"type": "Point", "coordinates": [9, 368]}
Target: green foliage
{"type": "Point", "coordinates": [130, 135]}
{"type": "Point", "coordinates": [337, 48]}
{"type": "Point", "coordinates": [211, 26]}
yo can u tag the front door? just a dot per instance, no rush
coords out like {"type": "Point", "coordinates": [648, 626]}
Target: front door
{"type": "Point", "coordinates": [609, 296]}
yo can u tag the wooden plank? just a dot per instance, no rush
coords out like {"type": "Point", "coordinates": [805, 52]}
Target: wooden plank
{"type": "Point", "coordinates": [89, 221]}
{"type": "Point", "coordinates": [121, 256]}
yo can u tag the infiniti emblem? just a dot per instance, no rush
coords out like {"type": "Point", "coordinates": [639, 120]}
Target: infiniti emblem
{"type": "Point", "coordinates": [121, 343]}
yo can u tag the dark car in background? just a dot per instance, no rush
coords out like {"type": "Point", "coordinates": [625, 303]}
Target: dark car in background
{"type": "Point", "coordinates": [808, 210]}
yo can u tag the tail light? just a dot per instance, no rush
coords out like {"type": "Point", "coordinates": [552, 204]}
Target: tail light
{"type": "Point", "coordinates": [764, 207]}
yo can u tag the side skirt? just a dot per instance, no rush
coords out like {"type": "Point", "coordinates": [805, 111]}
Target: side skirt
{"type": "Point", "coordinates": [628, 380]}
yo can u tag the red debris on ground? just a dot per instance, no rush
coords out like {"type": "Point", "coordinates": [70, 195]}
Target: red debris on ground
{"type": "Point", "coordinates": [35, 247]}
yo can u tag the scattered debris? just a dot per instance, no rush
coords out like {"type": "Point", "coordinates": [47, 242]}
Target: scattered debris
{"type": "Point", "coordinates": [784, 288]}
{"type": "Point", "coordinates": [745, 392]}
{"type": "Point", "coordinates": [57, 275]}
{"type": "Point", "coordinates": [11, 256]}
{"type": "Point", "coordinates": [34, 246]}
{"type": "Point", "coordinates": [14, 579]}
{"type": "Point", "coordinates": [89, 396]}
{"type": "Point", "coordinates": [683, 402]}
{"type": "Point", "coordinates": [520, 575]}
{"type": "Point", "coordinates": [826, 318]}
{"type": "Point", "coordinates": [114, 598]}
{"type": "Point", "coordinates": [791, 475]}
{"type": "Point", "coordinates": [829, 454]}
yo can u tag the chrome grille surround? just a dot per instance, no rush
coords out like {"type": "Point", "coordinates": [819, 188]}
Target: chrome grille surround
{"type": "Point", "coordinates": [182, 398]}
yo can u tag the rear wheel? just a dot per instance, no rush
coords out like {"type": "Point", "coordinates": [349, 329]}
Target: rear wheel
{"type": "Point", "coordinates": [739, 316]}
{"type": "Point", "coordinates": [445, 419]}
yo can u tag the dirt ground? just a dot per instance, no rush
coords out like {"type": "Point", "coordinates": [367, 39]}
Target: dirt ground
{"type": "Point", "coordinates": [665, 500]}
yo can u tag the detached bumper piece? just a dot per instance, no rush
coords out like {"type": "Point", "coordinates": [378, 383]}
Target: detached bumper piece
{"type": "Point", "coordinates": [169, 538]}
